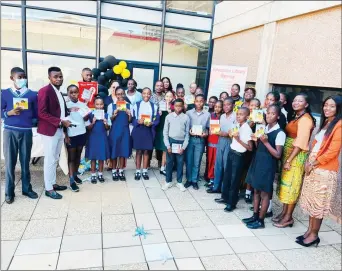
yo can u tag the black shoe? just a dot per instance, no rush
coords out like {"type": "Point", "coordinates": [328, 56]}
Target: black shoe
{"type": "Point", "coordinates": [256, 225]}
{"type": "Point", "coordinates": [163, 172]}
{"type": "Point", "coordinates": [9, 200]}
{"type": "Point", "coordinates": [53, 194]}
{"type": "Point", "coordinates": [31, 194]}
{"type": "Point", "coordinates": [212, 191]}
{"type": "Point", "coordinates": [220, 200]}
{"type": "Point", "coordinates": [269, 214]}
{"type": "Point", "coordinates": [101, 179]}
{"type": "Point", "coordinates": [78, 180]}
{"type": "Point", "coordinates": [145, 176]}
{"type": "Point", "coordinates": [300, 238]}
{"type": "Point", "coordinates": [115, 176]}
{"type": "Point", "coordinates": [195, 186]}
{"type": "Point", "coordinates": [249, 220]}
{"type": "Point", "coordinates": [187, 184]}
{"type": "Point", "coordinates": [315, 242]}
{"type": "Point", "coordinates": [74, 187]}
{"type": "Point", "coordinates": [137, 176]}
{"type": "Point", "coordinates": [248, 199]}
{"type": "Point", "coordinates": [122, 176]}
{"type": "Point", "coordinates": [93, 179]}
{"type": "Point", "coordinates": [57, 187]}
{"type": "Point", "coordinates": [251, 208]}
{"type": "Point", "coordinates": [229, 208]}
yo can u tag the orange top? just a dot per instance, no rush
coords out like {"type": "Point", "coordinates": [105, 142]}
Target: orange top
{"type": "Point", "coordinates": [327, 155]}
{"type": "Point", "coordinates": [300, 130]}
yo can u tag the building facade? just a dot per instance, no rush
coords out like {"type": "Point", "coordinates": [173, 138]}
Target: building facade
{"type": "Point", "coordinates": [156, 38]}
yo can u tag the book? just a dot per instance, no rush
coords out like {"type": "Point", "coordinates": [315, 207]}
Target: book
{"type": "Point", "coordinates": [175, 148]}
{"type": "Point", "coordinates": [189, 99]}
{"type": "Point", "coordinates": [235, 129]}
{"type": "Point", "coordinates": [121, 105]}
{"type": "Point", "coordinates": [20, 102]}
{"type": "Point", "coordinates": [98, 114]}
{"type": "Point", "coordinates": [237, 106]}
{"type": "Point", "coordinates": [259, 130]}
{"type": "Point", "coordinates": [214, 127]}
{"type": "Point", "coordinates": [88, 91]}
{"type": "Point", "coordinates": [257, 116]}
{"type": "Point", "coordinates": [147, 118]}
{"type": "Point", "coordinates": [84, 111]}
{"type": "Point", "coordinates": [206, 108]}
{"type": "Point", "coordinates": [197, 129]}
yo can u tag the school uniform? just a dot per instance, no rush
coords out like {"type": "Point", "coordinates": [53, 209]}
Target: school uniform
{"type": "Point", "coordinates": [143, 136]}
{"type": "Point", "coordinates": [234, 167]}
{"type": "Point", "coordinates": [120, 142]}
{"type": "Point", "coordinates": [196, 145]}
{"type": "Point", "coordinates": [78, 134]}
{"type": "Point", "coordinates": [212, 150]}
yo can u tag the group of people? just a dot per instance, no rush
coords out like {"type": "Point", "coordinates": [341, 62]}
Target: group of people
{"type": "Point", "coordinates": [181, 128]}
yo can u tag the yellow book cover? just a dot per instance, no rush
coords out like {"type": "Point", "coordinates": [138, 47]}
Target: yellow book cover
{"type": "Point", "coordinates": [215, 128]}
{"type": "Point", "coordinates": [235, 129]}
{"type": "Point", "coordinates": [121, 105]}
{"type": "Point", "coordinates": [257, 115]}
{"type": "Point", "coordinates": [259, 130]}
{"type": "Point", "coordinates": [20, 102]}
{"type": "Point", "coordinates": [147, 118]}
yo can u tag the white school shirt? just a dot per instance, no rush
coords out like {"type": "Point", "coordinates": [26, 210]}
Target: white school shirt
{"type": "Point", "coordinates": [77, 118]}
{"type": "Point", "coordinates": [281, 136]}
{"type": "Point", "coordinates": [61, 102]}
{"type": "Point", "coordinates": [245, 133]}
{"type": "Point", "coordinates": [145, 109]}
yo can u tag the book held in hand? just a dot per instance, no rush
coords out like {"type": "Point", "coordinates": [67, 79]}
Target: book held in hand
{"type": "Point", "coordinates": [257, 115]}
{"type": "Point", "coordinates": [121, 105]}
{"type": "Point", "coordinates": [88, 92]}
{"type": "Point", "coordinates": [259, 130]}
{"type": "Point", "coordinates": [175, 148]}
{"type": "Point", "coordinates": [20, 102]}
{"type": "Point", "coordinates": [98, 114]}
{"type": "Point", "coordinates": [189, 99]}
{"type": "Point", "coordinates": [215, 127]}
{"type": "Point", "coordinates": [147, 118]}
{"type": "Point", "coordinates": [235, 129]}
{"type": "Point", "coordinates": [197, 129]}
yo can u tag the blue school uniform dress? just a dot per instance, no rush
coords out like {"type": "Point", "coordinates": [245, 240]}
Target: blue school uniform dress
{"type": "Point", "coordinates": [97, 145]}
{"type": "Point", "coordinates": [120, 142]}
{"type": "Point", "coordinates": [143, 136]}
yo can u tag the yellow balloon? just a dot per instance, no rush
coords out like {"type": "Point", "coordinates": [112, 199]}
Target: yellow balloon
{"type": "Point", "coordinates": [117, 69]}
{"type": "Point", "coordinates": [123, 64]}
{"type": "Point", "coordinates": [125, 74]}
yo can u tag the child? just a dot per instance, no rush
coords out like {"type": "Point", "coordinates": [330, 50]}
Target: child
{"type": "Point", "coordinates": [227, 121]}
{"type": "Point", "coordinates": [145, 119]}
{"type": "Point", "coordinates": [176, 131]}
{"type": "Point", "coordinates": [97, 145]}
{"type": "Point", "coordinates": [17, 133]}
{"type": "Point", "coordinates": [241, 143]}
{"type": "Point", "coordinates": [224, 95]}
{"type": "Point", "coordinates": [180, 93]}
{"type": "Point", "coordinates": [272, 98]}
{"type": "Point", "coordinates": [119, 136]}
{"type": "Point", "coordinates": [263, 168]}
{"type": "Point", "coordinates": [76, 136]}
{"type": "Point", "coordinates": [211, 103]}
{"type": "Point", "coordinates": [195, 150]}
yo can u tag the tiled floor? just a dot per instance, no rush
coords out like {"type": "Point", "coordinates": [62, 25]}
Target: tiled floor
{"type": "Point", "coordinates": [94, 229]}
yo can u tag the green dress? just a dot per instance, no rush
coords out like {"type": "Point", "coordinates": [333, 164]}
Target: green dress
{"type": "Point", "coordinates": [159, 140]}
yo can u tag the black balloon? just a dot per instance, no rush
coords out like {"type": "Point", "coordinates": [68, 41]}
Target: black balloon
{"type": "Point", "coordinates": [103, 90]}
{"type": "Point", "coordinates": [111, 60]}
{"type": "Point", "coordinates": [109, 74]}
{"type": "Point", "coordinates": [101, 80]}
{"type": "Point", "coordinates": [103, 66]}
{"type": "Point", "coordinates": [96, 72]}
{"type": "Point", "coordinates": [124, 83]}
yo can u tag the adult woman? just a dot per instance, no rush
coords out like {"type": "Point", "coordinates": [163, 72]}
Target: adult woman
{"type": "Point", "coordinates": [224, 95]}
{"type": "Point", "coordinates": [234, 92]}
{"type": "Point", "coordinates": [248, 95]}
{"type": "Point", "coordinates": [111, 98]}
{"type": "Point", "coordinates": [296, 148]}
{"type": "Point", "coordinates": [132, 94]}
{"type": "Point", "coordinates": [166, 84]}
{"type": "Point", "coordinates": [320, 181]}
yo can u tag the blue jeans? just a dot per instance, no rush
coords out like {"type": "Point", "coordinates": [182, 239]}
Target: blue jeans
{"type": "Point", "coordinates": [174, 159]}
{"type": "Point", "coordinates": [223, 147]}
{"type": "Point", "coordinates": [17, 142]}
{"type": "Point", "coordinates": [194, 153]}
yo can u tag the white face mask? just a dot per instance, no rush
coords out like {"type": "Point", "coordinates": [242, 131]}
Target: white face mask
{"type": "Point", "coordinates": [20, 83]}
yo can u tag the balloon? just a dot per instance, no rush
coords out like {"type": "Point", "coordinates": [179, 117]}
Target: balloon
{"type": "Point", "coordinates": [101, 79]}
{"type": "Point", "coordinates": [111, 60]}
{"type": "Point", "coordinates": [103, 66]}
{"type": "Point", "coordinates": [124, 83]}
{"type": "Point", "coordinates": [95, 72]}
{"type": "Point", "coordinates": [125, 74]}
{"type": "Point", "coordinates": [117, 69]}
{"type": "Point", "coordinates": [109, 74]}
{"type": "Point", "coordinates": [103, 90]}
{"type": "Point", "coordinates": [123, 64]}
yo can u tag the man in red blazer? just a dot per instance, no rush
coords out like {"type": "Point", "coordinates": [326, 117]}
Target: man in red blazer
{"type": "Point", "coordinates": [52, 112]}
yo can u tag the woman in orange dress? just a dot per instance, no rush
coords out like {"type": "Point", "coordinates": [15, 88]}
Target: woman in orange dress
{"type": "Point", "coordinates": [319, 193]}
{"type": "Point", "coordinates": [295, 153]}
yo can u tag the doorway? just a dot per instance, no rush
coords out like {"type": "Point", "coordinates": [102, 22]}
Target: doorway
{"type": "Point", "coordinates": [145, 74]}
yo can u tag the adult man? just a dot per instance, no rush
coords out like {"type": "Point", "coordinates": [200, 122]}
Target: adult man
{"type": "Point", "coordinates": [87, 75]}
{"type": "Point", "coordinates": [18, 132]}
{"type": "Point", "coordinates": [52, 112]}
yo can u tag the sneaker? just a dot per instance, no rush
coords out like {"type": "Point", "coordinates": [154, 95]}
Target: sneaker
{"type": "Point", "coordinates": [115, 176]}
{"type": "Point", "coordinates": [74, 187]}
{"type": "Point", "coordinates": [101, 179]}
{"type": "Point", "coordinates": [163, 172]}
{"type": "Point", "coordinates": [93, 179]}
{"type": "Point", "coordinates": [248, 199]}
{"type": "Point", "coordinates": [166, 186]}
{"type": "Point", "coordinates": [78, 180]}
{"type": "Point", "coordinates": [181, 187]}
{"type": "Point", "coordinates": [137, 176]}
{"type": "Point", "coordinates": [122, 176]}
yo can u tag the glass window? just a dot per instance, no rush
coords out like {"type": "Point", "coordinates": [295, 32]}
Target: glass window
{"type": "Point", "coordinates": [60, 32]}
{"type": "Point", "coordinates": [199, 7]}
{"type": "Point", "coordinates": [86, 7]}
{"type": "Point", "coordinates": [183, 47]}
{"type": "Point", "coordinates": [184, 76]}
{"type": "Point", "coordinates": [9, 60]}
{"type": "Point", "coordinates": [154, 4]}
{"type": "Point", "coordinates": [11, 2]}
{"type": "Point", "coordinates": [10, 27]}
{"type": "Point", "coordinates": [188, 21]}
{"type": "Point", "coordinates": [130, 41]}
{"type": "Point", "coordinates": [38, 65]}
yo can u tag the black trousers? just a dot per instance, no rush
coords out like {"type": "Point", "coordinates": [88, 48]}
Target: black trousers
{"type": "Point", "coordinates": [232, 176]}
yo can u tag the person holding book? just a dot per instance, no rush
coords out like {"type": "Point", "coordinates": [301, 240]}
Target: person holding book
{"type": "Point", "coordinates": [132, 94]}
{"type": "Point", "coordinates": [263, 168]}
{"type": "Point", "coordinates": [120, 145]}
{"type": "Point", "coordinates": [235, 93]}
{"type": "Point", "coordinates": [248, 95]}
{"type": "Point", "coordinates": [199, 123]}
{"type": "Point", "coordinates": [190, 99]}
{"type": "Point", "coordinates": [224, 95]}
{"type": "Point", "coordinates": [145, 119]}
{"type": "Point", "coordinates": [97, 146]}
{"type": "Point", "coordinates": [17, 135]}
{"type": "Point", "coordinates": [87, 75]}
{"type": "Point", "coordinates": [241, 143]}
{"type": "Point", "coordinates": [176, 138]}
{"type": "Point", "coordinates": [76, 136]}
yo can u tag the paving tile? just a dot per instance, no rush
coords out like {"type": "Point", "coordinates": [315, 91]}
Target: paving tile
{"type": "Point", "coordinates": [203, 233]}
{"type": "Point", "coordinates": [321, 258]}
{"type": "Point", "coordinates": [157, 252]}
{"type": "Point", "coordinates": [261, 261]}
{"type": "Point", "coordinates": [86, 196]}
{"type": "Point", "coordinates": [175, 235]}
{"type": "Point", "coordinates": [81, 242]}
{"type": "Point", "coordinates": [279, 242]}
{"type": "Point", "coordinates": [142, 206]}
{"type": "Point", "coordinates": [338, 247]}
{"type": "Point", "coordinates": [238, 230]}
{"type": "Point", "coordinates": [120, 239]}
{"type": "Point", "coordinates": [7, 251]}
{"type": "Point", "coordinates": [218, 217]}
{"type": "Point", "coordinates": [39, 246]}
{"type": "Point", "coordinates": [152, 182]}
{"type": "Point", "coordinates": [297, 227]}
{"type": "Point", "coordinates": [123, 255]}
{"type": "Point", "coordinates": [183, 250]}
{"type": "Point", "coordinates": [118, 223]}
{"type": "Point", "coordinates": [209, 204]}
{"type": "Point", "coordinates": [246, 244]}
{"type": "Point", "coordinates": [162, 265]}
{"type": "Point", "coordinates": [329, 238]}
{"type": "Point", "coordinates": [85, 209]}
{"type": "Point", "coordinates": [216, 247]}
{"type": "Point", "coordinates": [49, 209]}
{"type": "Point", "coordinates": [148, 220]}
{"type": "Point", "coordinates": [153, 237]}
{"type": "Point", "coordinates": [12, 230]}
{"type": "Point", "coordinates": [169, 220]}
{"type": "Point", "coordinates": [155, 193]}
{"type": "Point", "coordinates": [35, 262]}
{"type": "Point", "coordinates": [91, 268]}
{"type": "Point", "coordinates": [161, 205]}
{"type": "Point", "coordinates": [44, 228]}
{"type": "Point", "coordinates": [133, 266]}
{"type": "Point", "coordinates": [116, 208]}
{"type": "Point", "coordinates": [268, 230]}
{"type": "Point", "coordinates": [324, 227]}
{"type": "Point", "coordinates": [90, 258]}
{"type": "Point", "coordinates": [185, 204]}
{"type": "Point", "coordinates": [76, 225]}
{"type": "Point", "coordinates": [191, 219]}
{"type": "Point", "coordinates": [21, 209]}
{"type": "Point", "coordinates": [189, 264]}
{"type": "Point", "coordinates": [226, 262]}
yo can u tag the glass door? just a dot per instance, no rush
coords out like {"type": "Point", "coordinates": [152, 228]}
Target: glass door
{"type": "Point", "coordinates": [144, 74]}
